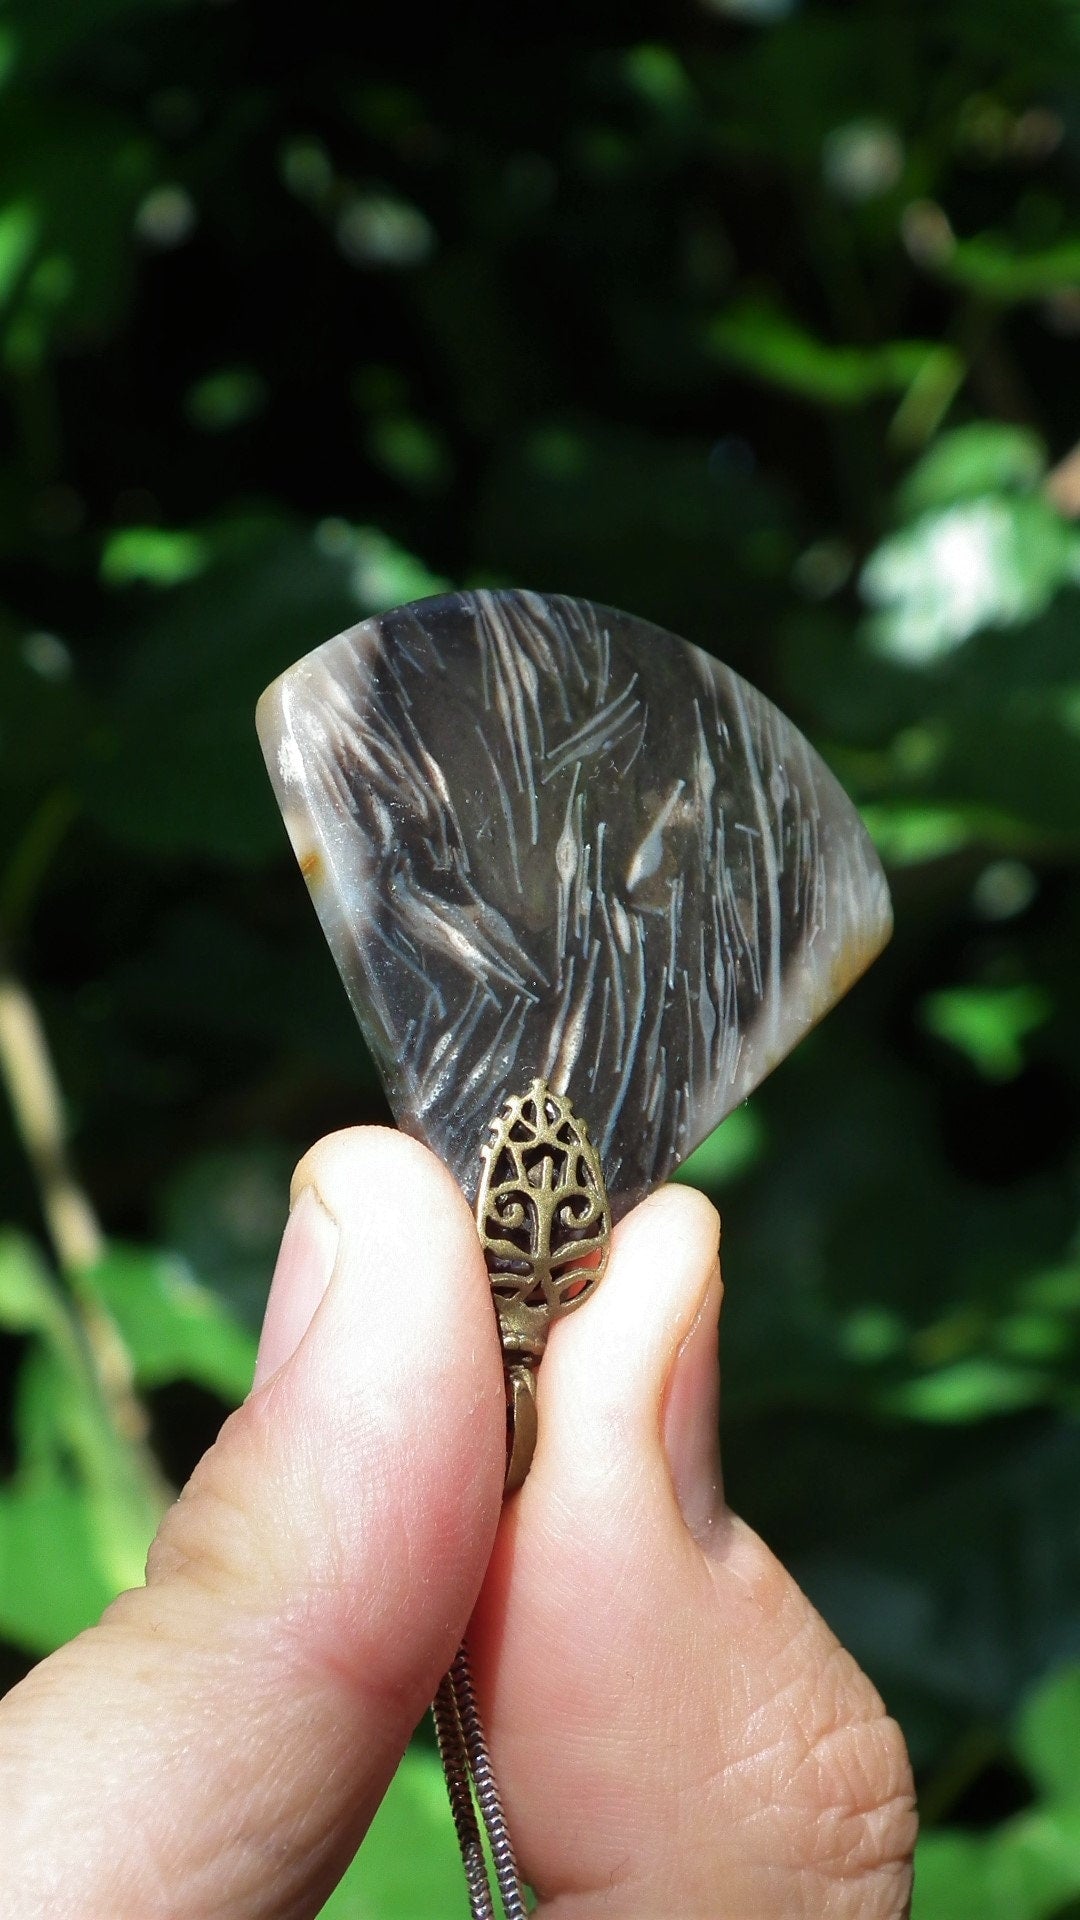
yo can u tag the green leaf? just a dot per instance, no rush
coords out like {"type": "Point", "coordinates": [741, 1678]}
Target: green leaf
{"type": "Point", "coordinates": [53, 1576]}
{"type": "Point", "coordinates": [773, 348]}
{"type": "Point", "coordinates": [19, 235]}
{"type": "Point", "coordinates": [156, 555]}
{"type": "Point", "coordinates": [409, 450]}
{"type": "Point", "coordinates": [954, 1881]}
{"type": "Point", "coordinates": [264, 590]}
{"type": "Point", "coordinates": [985, 457]}
{"type": "Point", "coordinates": [640, 518]}
{"type": "Point", "coordinates": [658, 76]}
{"type": "Point", "coordinates": [907, 833]}
{"type": "Point", "coordinates": [74, 172]}
{"type": "Point", "coordinates": [382, 573]}
{"type": "Point", "coordinates": [201, 655]}
{"type": "Point", "coordinates": [408, 1867]}
{"type": "Point", "coordinates": [76, 1517]}
{"type": "Point", "coordinates": [28, 1297]}
{"type": "Point", "coordinates": [988, 1024]}
{"type": "Point", "coordinates": [1023, 1873]}
{"type": "Point", "coordinates": [226, 399]}
{"type": "Point", "coordinates": [75, 1523]}
{"type": "Point", "coordinates": [1030, 1866]}
{"type": "Point", "coordinates": [173, 1328]}
{"type": "Point", "coordinates": [729, 1152]}
{"type": "Point", "coordinates": [915, 1566]}
{"type": "Point", "coordinates": [1048, 1737]}
{"type": "Point", "coordinates": [996, 561]}
{"type": "Point", "coordinates": [970, 1390]}
{"type": "Point", "coordinates": [996, 269]}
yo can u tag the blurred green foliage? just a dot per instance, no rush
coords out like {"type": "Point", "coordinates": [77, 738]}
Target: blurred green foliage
{"type": "Point", "coordinates": [761, 320]}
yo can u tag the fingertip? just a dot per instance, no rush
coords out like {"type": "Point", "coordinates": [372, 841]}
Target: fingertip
{"type": "Point", "coordinates": [602, 1382]}
{"type": "Point", "coordinates": [400, 1213]}
{"type": "Point", "coordinates": [405, 1337]}
{"type": "Point", "coordinates": [378, 1167]}
{"type": "Point", "coordinates": [685, 1219]}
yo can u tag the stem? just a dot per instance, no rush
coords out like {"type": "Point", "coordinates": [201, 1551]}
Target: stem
{"type": "Point", "coordinates": [34, 1092]}
{"type": "Point", "coordinates": [33, 1089]}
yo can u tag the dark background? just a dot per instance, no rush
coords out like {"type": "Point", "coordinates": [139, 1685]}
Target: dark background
{"type": "Point", "coordinates": [757, 319]}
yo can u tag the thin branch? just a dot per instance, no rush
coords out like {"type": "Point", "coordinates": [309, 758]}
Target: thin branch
{"type": "Point", "coordinates": [33, 1089]}
{"type": "Point", "coordinates": [36, 1103]}
{"type": "Point", "coordinates": [1062, 485]}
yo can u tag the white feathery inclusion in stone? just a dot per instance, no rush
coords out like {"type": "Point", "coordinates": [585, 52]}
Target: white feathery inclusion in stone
{"type": "Point", "coordinates": [547, 838]}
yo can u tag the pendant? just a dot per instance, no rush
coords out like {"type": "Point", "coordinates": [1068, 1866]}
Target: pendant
{"type": "Point", "coordinates": [585, 887]}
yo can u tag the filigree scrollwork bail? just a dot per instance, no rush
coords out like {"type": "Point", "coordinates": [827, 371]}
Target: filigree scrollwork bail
{"type": "Point", "coordinates": [544, 1221]}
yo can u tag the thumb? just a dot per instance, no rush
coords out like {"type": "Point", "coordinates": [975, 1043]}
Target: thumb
{"type": "Point", "coordinates": [219, 1743]}
{"type": "Point", "coordinates": [676, 1731]}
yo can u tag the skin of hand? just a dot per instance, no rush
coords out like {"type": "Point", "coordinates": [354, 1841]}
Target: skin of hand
{"type": "Point", "coordinates": [676, 1731]}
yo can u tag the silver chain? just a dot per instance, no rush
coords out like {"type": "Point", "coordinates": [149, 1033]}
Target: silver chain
{"type": "Point", "coordinates": [471, 1785]}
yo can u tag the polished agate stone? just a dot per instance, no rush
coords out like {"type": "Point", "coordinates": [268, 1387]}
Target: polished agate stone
{"type": "Point", "coordinates": [545, 838]}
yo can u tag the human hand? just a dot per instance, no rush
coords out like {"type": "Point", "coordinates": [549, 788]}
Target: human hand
{"type": "Point", "coordinates": [675, 1730]}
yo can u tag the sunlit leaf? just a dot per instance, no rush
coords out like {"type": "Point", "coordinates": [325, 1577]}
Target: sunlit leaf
{"type": "Point", "coordinates": [75, 1519]}
{"type": "Point", "coordinates": [991, 562]}
{"type": "Point", "coordinates": [1023, 1874]}
{"type": "Point", "coordinates": [988, 1024]}
{"type": "Point", "coordinates": [174, 1329]}
{"type": "Point", "coordinates": [157, 555]}
{"type": "Point", "coordinates": [52, 1580]}
{"type": "Point", "coordinates": [382, 573]}
{"type": "Point", "coordinates": [1047, 1741]}
{"type": "Point", "coordinates": [408, 1867]}
{"type": "Point", "coordinates": [727, 1154]}
{"type": "Point", "coordinates": [982, 458]}
{"type": "Point", "coordinates": [970, 1390]}
{"type": "Point", "coordinates": [28, 1300]}
{"type": "Point", "coordinates": [907, 833]}
{"type": "Point", "coordinates": [1030, 1867]}
{"type": "Point", "coordinates": [996, 269]}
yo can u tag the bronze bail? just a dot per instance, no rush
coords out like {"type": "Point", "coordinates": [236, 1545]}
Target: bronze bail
{"type": "Point", "coordinates": [544, 1221]}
